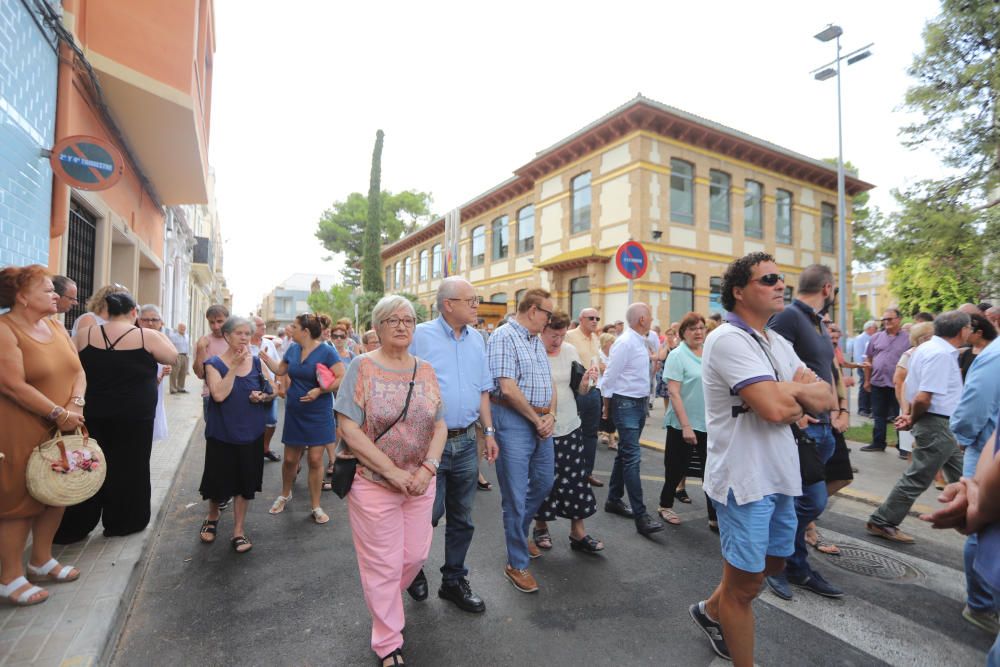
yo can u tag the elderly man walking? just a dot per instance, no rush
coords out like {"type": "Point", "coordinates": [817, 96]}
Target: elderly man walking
{"type": "Point", "coordinates": [858, 351]}
{"type": "Point", "coordinates": [179, 371]}
{"type": "Point", "coordinates": [625, 390]}
{"type": "Point", "coordinates": [884, 350]}
{"type": "Point", "coordinates": [588, 345]}
{"type": "Point", "coordinates": [524, 416]}
{"type": "Point", "coordinates": [933, 389]}
{"type": "Point", "coordinates": [458, 354]}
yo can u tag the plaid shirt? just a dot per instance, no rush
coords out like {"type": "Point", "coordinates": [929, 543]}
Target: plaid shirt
{"type": "Point", "coordinates": [514, 353]}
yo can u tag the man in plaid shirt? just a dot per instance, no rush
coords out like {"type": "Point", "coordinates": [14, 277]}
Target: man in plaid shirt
{"type": "Point", "coordinates": [524, 416]}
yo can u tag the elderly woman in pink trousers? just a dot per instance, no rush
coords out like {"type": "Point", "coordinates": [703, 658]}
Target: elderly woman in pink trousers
{"type": "Point", "coordinates": [392, 422]}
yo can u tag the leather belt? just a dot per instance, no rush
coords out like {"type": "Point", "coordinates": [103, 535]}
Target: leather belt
{"type": "Point", "coordinates": [934, 414]}
{"type": "Point", "coordinates": [507, 404]}
{"type": "Point", "coordinates": [457, 432]}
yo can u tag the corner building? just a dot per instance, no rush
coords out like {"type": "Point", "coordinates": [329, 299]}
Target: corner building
{"type": "Point", "coordinates": [695, 193]}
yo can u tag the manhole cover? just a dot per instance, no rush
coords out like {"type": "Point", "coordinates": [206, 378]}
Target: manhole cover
{"type": "Point", "coordinates": [874, 564]}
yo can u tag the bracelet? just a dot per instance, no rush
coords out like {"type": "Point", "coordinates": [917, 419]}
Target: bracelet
{"type": "Point", "coordinates": [429, 469]}
{"type": "Point", "coordinates": [56, 411]}
{"type": "Point", "coordinates": [62, 417]}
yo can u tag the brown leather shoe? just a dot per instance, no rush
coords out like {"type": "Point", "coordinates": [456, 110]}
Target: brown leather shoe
{"type": "Point", "coordinates": [890, 533]}
{"type": "Point", "coordinates": [533, 550]}
{"type": "Point", "coordinates": [522, 579]}
{"type": "Point", "coordinates": [594, 481]}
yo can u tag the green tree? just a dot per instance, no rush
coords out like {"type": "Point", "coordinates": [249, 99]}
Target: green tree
{"type": "Point", "coordinates": [367, 301]}
{"type": "Point", "coordinates": [371, 267]}
{"type": "Point", "coordinates": [336, 302]}
{"type": "Point", "coordinates": [341, 228]}
{"type": "Point", "coordinates": [920, 283]}
{"type": "Point", "coordinates": [861, 315]}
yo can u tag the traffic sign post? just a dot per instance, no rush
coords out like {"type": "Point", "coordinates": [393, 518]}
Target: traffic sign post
{"type": "Point", "coordinates": [87, 163]}
{"type": "Point", "coordinates": [632, 262]}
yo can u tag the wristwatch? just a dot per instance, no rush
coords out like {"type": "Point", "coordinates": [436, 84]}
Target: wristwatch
{"type": "Point", "coordinates": [78, 401]}
{"type": "Point", "coordinates": [489, 431]}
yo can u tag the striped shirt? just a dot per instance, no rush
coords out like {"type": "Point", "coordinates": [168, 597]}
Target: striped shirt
{"type": "Point", "coordinates": [517, 354]}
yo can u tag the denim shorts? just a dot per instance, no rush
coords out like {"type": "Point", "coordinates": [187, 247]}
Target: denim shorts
{"type": "Point", "coordinates": [761, 528]}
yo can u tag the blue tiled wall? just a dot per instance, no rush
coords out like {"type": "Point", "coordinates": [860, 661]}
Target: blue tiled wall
{"type": "Point", "coordinates": [28, 71]}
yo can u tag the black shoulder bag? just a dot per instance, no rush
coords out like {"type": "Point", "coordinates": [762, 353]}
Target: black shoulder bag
{"type": "Point", "coordinates": [811, 467]}
{"type": "Point", "coordinates": [344, 468]}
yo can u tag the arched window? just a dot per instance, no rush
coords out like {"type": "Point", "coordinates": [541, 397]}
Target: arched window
{"type": "Point", "coordinates": [407, 272]}
{"type": "Point", "coordinates": [478, 246]}
{"type": "Point", "coordinates": [518, 296]}
{"type": "Point", "coordinates": [499, 297]}
{"type": "Point", "coordinates": [399, 276]}
{"type": "Point", "coordinates": [388, 277]}
{"type": "Point", "coordinates": [681, 295]}
{"type": "Point", "coordinates": [425, 256]}
{"type": "Point", "coordinates": [579, 295]}
{"type": "Point", "coordinates": [436, 261]}
{"type": "Point", "coordinates": [526, 229]}
{"type": "Point", "coordinates": [501, 238]}
{"type": "Point", "coordinates": [581, 203]}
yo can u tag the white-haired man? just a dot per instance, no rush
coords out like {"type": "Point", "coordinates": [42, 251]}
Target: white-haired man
{"type": "Point", "coordinates": [587, 342]}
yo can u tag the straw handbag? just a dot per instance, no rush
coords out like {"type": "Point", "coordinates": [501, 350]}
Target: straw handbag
{"type": "Point", "coordinates": [66, 470]}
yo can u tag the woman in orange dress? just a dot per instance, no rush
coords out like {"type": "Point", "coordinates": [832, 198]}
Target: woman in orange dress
{"type": "Point", "coordinates": [41, 387]}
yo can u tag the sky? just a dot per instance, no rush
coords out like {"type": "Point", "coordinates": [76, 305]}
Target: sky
{"type": "Point", "coordinates": [467, 92]}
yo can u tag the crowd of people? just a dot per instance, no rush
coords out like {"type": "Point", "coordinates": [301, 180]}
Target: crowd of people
{"type": "Point", "coordinates": [756, 405]}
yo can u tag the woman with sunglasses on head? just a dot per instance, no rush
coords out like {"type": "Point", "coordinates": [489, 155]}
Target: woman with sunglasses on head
{"type": "Point", "coordinates": [392, 420]}
{"type": "Point", "coordinates": [97, 308]}
{"type": "Point", "coordinates": [309, 423]}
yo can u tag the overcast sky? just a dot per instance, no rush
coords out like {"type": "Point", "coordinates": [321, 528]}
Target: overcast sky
{"type": "Point", "coordinates": [467, 92]}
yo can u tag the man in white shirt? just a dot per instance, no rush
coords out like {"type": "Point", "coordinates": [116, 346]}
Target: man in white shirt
{"type": "Point", "coordinates": [625, 390]}
{"type": "Point", "coordinates": [179, 371]}
{"type": "Point", "coordinates": [755, 388]}
{"type": "Point", "coordinates": [933, 389]}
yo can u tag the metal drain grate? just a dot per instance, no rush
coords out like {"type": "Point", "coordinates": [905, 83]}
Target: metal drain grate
{"type": "Point", "coordinates": [874, 564]}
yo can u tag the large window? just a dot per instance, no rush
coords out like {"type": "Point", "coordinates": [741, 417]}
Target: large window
{"type": "Point", "coordinates": [681, 191]}
{"type": "Point", "coordinates": [715, 295]}
{"type": "Point", "coordinates": [579, 298]}
{"type": "Point", "coordinates": [437, 260]}
{"type": "Point", "coordinates": [789, 294]}
{"type": "Point", "coordinates": [388, 277]}
{"type": "Point", "coordinates": [478, 246]}
{"type": "Point", "coordinates": [501, 238]}
{"type": "Point", "coordinates": [425, 257]}
{"type": "Point", "coordinates": [827, 227]}
{"type": "Point", "coordinates": [526, 229]}
{"type": "Point", "coordinates": [407, 272]}
{"type": "Point", "coordinates": [783, 216]}
{"type": "Point", "coordinates": [681, 295]}
{"type": "Point", "coordinates": [399, 276]}
{"type": "Point", "coordinates": [753, 214]}
{"type": "Point", "coordinates": [499, 297]}
{"type": "Point", "coordinates": [718, 201]}
{"type": "Point", "coordinates": [581, 203]}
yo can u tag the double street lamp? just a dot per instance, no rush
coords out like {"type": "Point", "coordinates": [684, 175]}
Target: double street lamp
{"type": "Point", "coordinates": [822, 73]}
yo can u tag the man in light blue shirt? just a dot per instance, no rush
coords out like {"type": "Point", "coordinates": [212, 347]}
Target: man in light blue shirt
{"type": "Point", "coordinates": [973, 422]}
{"type": "Point", "coordinates": [458, 355]}
{"type": "Point", "coordinates": [859, 348]}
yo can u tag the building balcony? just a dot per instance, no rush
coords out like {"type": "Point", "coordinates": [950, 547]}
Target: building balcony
{"type": "Point", "coordinates": [202, 260]}
{"type": "Point", "coordinates": [154, 62]}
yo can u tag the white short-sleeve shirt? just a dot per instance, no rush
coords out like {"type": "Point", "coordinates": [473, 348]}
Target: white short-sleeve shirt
{"type": "Point", "coordinates": [934, 369]}
{"type": "Point", "coordinates": [747, 454]}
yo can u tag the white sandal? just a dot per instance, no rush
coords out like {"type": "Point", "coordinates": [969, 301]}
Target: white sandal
{"type": "Point", "coordinates": [319, 516]}
{"type": "Point", "coordinates": [24, 599]}
{"type": "Point", "coordinates": [279, 504]}
{"type": "Point", "coordinates": [45, 572]}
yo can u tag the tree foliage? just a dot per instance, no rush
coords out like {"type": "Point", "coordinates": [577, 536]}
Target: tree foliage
{"type": "Point", "coordinates": [371, 267]}
{"type": "Point", "coordinates": [336, 302]}
{"type": "Point", "coordinates": [861, 315]}
{"type": "Point", "coordinates": [341, 228]}
{"type": "Point", "coordinates": [919, 283]}
{"type": "Point", "coordinates": [367, 301]}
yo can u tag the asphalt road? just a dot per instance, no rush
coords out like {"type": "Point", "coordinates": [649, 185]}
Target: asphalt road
{"type": "Point", "coordinates": [296, 598]}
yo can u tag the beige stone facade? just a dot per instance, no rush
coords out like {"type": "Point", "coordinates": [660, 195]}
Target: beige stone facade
{"type": "Point", "coordinates": [637, 191]}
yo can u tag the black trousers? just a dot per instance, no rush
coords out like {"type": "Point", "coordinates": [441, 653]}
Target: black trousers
{"type": "Point", "coordinates": [676, 459]}
{"type": "Point", "coordinates": [122, 504]}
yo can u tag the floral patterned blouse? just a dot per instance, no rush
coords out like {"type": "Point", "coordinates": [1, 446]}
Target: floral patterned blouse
{"type": "Point", "coordinates": [373, 396]}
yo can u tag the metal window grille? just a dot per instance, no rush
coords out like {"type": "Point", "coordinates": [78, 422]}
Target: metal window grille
{"type": "Point", "coordinates": [81, 246]}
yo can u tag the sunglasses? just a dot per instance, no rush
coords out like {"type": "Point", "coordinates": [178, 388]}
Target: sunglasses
{"type": "Point", "coordinates": [770, 279]}
{"type": "Point", "coordinates": [339, 336]}
{"type": "Point", "coordinates": [592, 317]}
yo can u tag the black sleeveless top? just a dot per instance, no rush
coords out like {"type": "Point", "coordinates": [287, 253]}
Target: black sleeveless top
{"type": "Point", "coordinates": [120, 383]}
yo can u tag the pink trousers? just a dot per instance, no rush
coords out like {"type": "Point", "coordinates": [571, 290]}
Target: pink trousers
{"type": "Point", "coordinates": [392, 537]}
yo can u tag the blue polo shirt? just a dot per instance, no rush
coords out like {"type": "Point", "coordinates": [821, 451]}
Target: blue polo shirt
{"type": "Point", "coordinates": [463, 372]}
{"type": "Point", "coordinates": [802, 326]}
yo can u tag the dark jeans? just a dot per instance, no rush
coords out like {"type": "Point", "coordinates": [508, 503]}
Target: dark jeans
{"type": "Point", "coordinates": [810, 505]}
{"type": "Point", "coordinates": [122, 504]}
{"type": "Point", "coordinates": [589, 407]}
{"type": "Point", "coordinates": [456, 492]}
{"type": "Point", "coordinates": [676, 458]}
{"type": "Point", "coordinates": [864, 397]}
{"type": "Point", "coordinates": [629, 416]}
{"type": "Point", "coordinates": [884, 408]}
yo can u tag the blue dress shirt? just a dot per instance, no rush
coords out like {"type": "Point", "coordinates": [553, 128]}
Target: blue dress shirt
{"type": "Point", "coordinates": [975, 418]}
{"type": "Point", "coordinates": [463, 372]}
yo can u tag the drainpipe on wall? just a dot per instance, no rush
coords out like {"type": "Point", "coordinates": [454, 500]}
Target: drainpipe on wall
{"type": "Point", "coordinates": [60, 191]}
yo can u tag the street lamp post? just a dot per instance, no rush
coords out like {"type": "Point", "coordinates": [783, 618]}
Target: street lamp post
{"type": "Point", "coordinates": [833, 32]}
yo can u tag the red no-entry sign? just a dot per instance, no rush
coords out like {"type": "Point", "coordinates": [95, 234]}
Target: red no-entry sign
{"type": "Point", "coordinates": [632, 260]}
{"type": "Point", "coordinates": [87, 163]}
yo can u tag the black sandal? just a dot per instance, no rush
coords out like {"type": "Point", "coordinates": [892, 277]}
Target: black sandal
{"type": "Point", "coordinates": [542, 538]}
{"type": "Point", "coordinates": [397, 657]}
{"type": "Point", "coordinates": [242, 541]}
{"type": "Point", "coordinates": [683, 496]}
{"type": "Point", "coordinates": [484, 486]}
{"type": "Point", "coordinates": [208, 528]}
{"type": "Point", "coordinates": [586, 544]}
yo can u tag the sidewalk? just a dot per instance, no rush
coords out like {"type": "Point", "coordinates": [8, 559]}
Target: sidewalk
{"type": "Point", "coordinates": [80, 621]}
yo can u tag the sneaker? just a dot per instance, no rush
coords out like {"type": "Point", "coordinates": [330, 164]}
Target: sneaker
{"type": "Point", "coordinates": [984, 620]}
{"type": "Point", "coordinates": [891, 533]}
{"type": "Point", "coordinates": [522, 579]}
{"type": "Point", "coordinates": [779, 586]}
{"type": "Point", "coordinates": [872, 448]}
{"type": "Point", "coordinates": [711, 629]}
{"type": "Point", "coordinates": [815, 582]}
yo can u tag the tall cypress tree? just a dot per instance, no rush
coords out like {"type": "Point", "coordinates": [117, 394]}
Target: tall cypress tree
{"type": "Point", "coordinates": [371, 264]}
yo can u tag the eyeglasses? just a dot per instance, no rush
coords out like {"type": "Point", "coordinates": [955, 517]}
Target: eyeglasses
{"type": "Point", "coordinates": [888, 319]}
{"type": "Point", "coordinates": [473, 302]}
{"type": "Point", "coordinates": [150, 320]}
{"type": "Point", "coordinates": [770, 279]}
{"type": "Point", "coordinates": [338, 336]}
{"type": "Point", "coordinates": [595, 318]}
{"type": "Point", "coordinates": [548, 313]}
{"type": "Point", "coordinates": [394, 322]}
